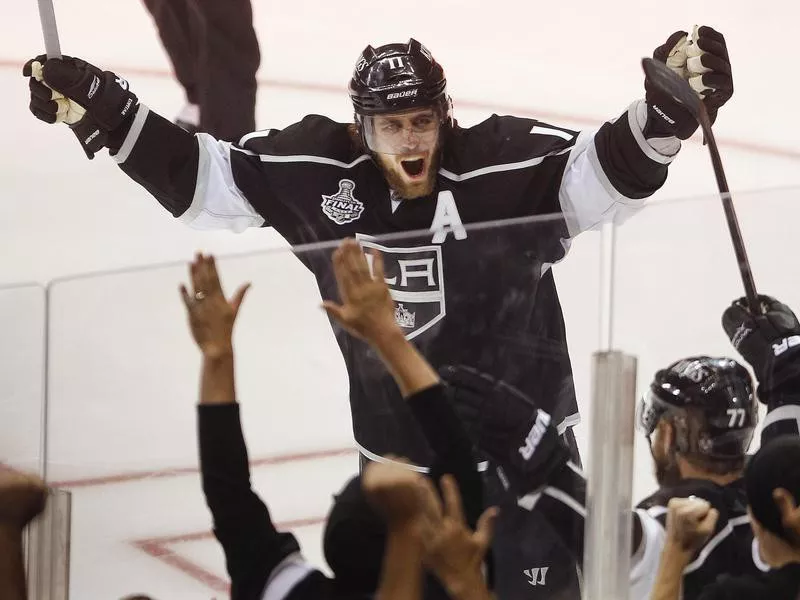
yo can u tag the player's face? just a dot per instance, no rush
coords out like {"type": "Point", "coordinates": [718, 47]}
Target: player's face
{"type": "Point", "coordinates": [407, 148]}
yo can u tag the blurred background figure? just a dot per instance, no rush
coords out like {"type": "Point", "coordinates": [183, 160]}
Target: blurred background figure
{"type": "Point", "coordinates": [215, 55]}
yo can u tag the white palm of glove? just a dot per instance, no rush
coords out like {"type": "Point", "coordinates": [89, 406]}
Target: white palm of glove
{"type": "Point", "coordinates": [694, 66]}
{"type": "Point", "coordinates": [676, 59]}
{"type": "Point", "coordinates": [69, 111]}
{"type": "Point", "coordinates": [685, 59]}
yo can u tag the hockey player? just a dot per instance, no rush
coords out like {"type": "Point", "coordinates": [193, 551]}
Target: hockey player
{"type": "Point", "coordinates": [701, 413]}
{"type": "Point", "coordinates": [476, 296]}
{"type": "Point", "coordinates": [772, 480]}
{"type": "Point", "coordinates": [771, 344]}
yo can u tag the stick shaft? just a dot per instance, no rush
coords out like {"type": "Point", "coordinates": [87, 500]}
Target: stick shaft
{"type": "Point", "coordinates": [730, 216]}
{"type": "Point", "coordinates": [47, 15]}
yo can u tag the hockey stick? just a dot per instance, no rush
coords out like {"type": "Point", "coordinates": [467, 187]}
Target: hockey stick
{"type": "Point", "coordinates": [669, 82]}
{"type": "Point", "coordinates": [47, 16]}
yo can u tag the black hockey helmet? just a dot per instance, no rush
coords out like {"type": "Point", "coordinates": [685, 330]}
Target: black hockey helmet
{"type": "Point", "coordinates": [716, 393]}
{"type": "Point", "coordinates": [398, 77]}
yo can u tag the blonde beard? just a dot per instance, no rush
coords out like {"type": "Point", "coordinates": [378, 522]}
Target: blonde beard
{"type": "Point", "coordinates": [395, 177]}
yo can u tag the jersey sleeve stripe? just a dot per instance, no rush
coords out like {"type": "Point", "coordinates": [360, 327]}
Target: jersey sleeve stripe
{"type": "Point", "coordinates": [480, 467]}
{"type": "Point", "coordinates": [285, 577]}
{"type": "Point", "coordinates": [787, 412]}
{"type": "Point", "coordinates": [587, 196]}
{"type": "Point", "coordinates": [568, 421]}
{"type": "Point", "coordinates": [217, 202]}
{"type": "Point", "coordinates": [539, 130]}
{"type": "Point", "coordinates": [261, 133]}
{"type": "Point", "coordinates": [757, 560]}
{"type": "Point", "coordinates": [637, 113]}
{"type": "Point", "coordinates": [565, 499]}
{"type": "Point", "coordinates": [644, 561]}
{"type": "Point", "coordinates": [714, 542]}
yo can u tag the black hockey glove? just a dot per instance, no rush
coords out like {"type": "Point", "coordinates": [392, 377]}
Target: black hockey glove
{"type": "Point", "coordinates": [703, 61]}
{"type": "Point", "coordinates": [97, 105]}
{"type": "Point", "coordinates": [770, 342]}
{"type": "Point", "coordinates": [508, 426]}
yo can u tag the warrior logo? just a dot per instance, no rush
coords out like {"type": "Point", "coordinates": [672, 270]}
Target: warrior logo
{"type": "Point", "coordinates": [415, 279]}
{"type": "Point", "coordinates": [537, 575]}
{"type": "Point", "coordinates": [342, 207]}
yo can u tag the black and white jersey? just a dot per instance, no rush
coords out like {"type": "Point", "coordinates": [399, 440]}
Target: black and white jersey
{"type": "Point", "coordinates": [731, 549]}
{"type": "Point", "coordinates": [478, 296]}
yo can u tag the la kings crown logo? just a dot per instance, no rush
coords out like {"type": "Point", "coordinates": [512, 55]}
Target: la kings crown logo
{"type": "Point", "coordinates": [342, 207]}
{"type": "Point", "coordinates": [415, 279]}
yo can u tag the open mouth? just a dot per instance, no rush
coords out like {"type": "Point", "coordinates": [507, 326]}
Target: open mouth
{"type": "Point", "coordinates": [414, 167]}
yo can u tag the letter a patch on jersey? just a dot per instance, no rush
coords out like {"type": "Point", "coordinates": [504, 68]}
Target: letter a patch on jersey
{"type": "Point", "coordinates": [342, 207]}
{"type": "Point", "coordinates": [414, 276]}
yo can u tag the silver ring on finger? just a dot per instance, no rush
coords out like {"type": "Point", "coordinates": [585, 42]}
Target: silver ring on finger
{"type": "Point", "coordinates": [200, 296]}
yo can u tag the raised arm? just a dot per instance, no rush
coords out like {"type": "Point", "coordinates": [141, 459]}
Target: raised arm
{"type": "Point", "coordinates": [190, 176]}
{"type": "Point", "coordinates": [253, 548]}
{"type": "Point", "coordinates": [690, 522]}
{"type": "Point", "coordinates": [770, 343]}
{"type": "Point", "coordinates": [609, 172]}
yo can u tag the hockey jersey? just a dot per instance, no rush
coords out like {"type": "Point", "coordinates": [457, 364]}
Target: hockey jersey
{"type": "Point", "coordinates": [730, 549]}
{"type": "Point", "coordinates": [466, 294]}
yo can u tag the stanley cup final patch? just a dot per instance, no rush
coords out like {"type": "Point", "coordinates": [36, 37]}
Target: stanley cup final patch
{"type": "Point", "coordinates": [342, 207]}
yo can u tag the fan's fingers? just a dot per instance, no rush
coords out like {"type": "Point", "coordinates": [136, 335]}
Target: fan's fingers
{"type": "Point", "coordinates": [355, 261]}
{"type": "Point", "coordinates": [238, 297]}
{"type": "Point", "coordinates": [187, 299]}
{"type": "Point", "coordinates": [215, 285]}
{"type": "Point", "coordinates": [484, 529]}
{"type": "Point", "coordinates": [344, 280]}
{"type": "Point", "coordinates": [377, 265]}
{"type": "Point", "coordinates": [195, 272]}
{"type": "Point", "coordinates": [334, 310]}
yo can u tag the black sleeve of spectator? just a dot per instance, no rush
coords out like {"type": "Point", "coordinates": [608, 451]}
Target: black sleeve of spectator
{"type": "Point", "coordinates": [242, 523]}
{"type": "Point", "coordinates": [451, 446]}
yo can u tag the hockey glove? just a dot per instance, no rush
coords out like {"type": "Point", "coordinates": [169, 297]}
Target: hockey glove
{"type": "Point", "coordinates": [703, 61]}
{"type": "Point", "coordinates": [97, 105]}
{"type": "Point", "coordinates": [508, 426]}
{"type": "Point", "coordinates": [770, 342]}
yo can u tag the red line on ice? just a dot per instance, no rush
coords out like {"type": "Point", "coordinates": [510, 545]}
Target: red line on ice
{"type": "Point", "coordinates": [159, 548]}
{"type": "Point", "coordinates": [178, 471]}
